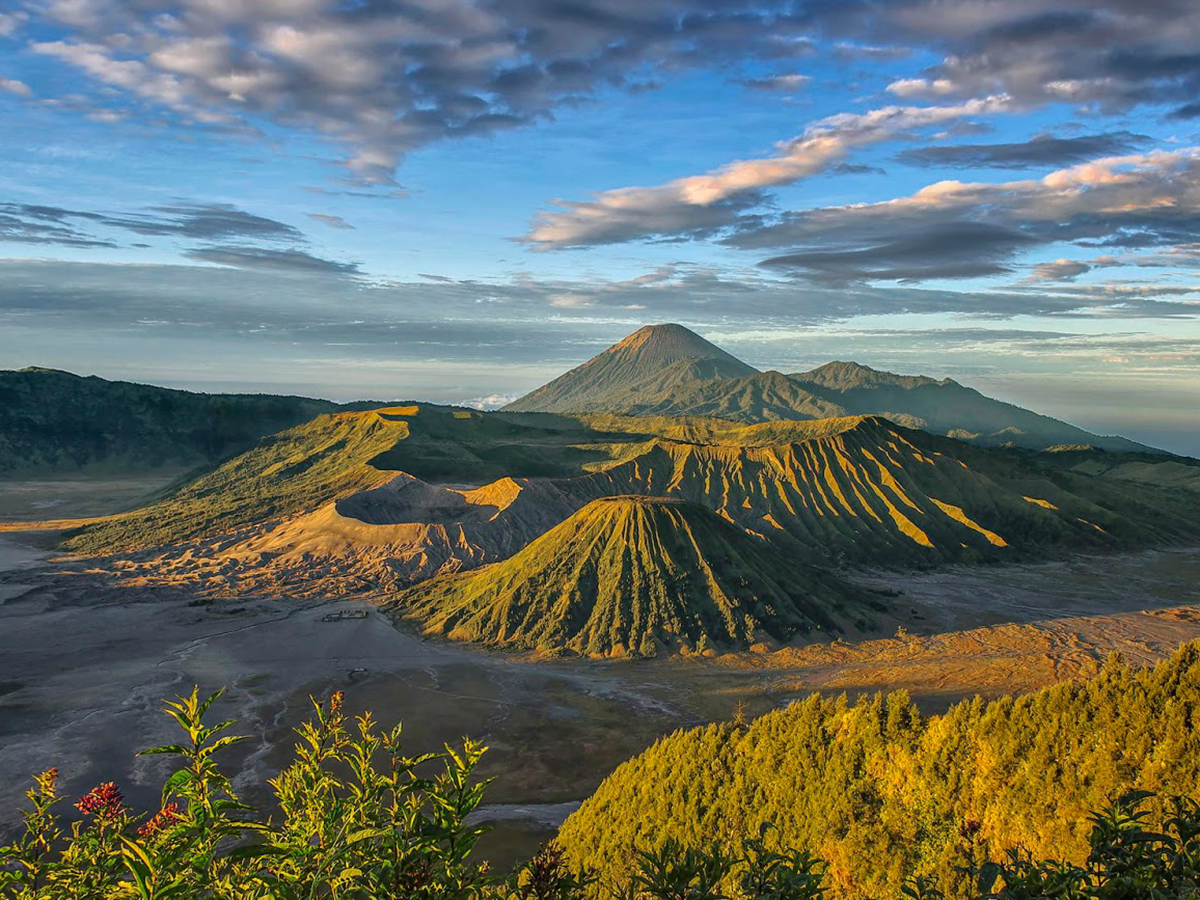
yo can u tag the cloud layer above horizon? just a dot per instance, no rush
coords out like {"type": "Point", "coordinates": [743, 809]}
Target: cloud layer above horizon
{"type": "Point", "coordinates": [452, 186]}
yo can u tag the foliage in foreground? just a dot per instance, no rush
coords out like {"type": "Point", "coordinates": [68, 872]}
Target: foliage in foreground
{"type": "Point", "coordinates": [883, 793]}
{"type": "Point", "coordinates": [359, 820]}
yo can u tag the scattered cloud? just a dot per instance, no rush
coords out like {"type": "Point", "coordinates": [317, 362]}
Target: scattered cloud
{"type": "Point", "coordinates": [703, 205]}
{"type": "Point", "coordinates": [27, 224]}
{"type": "Point", "coordinates": [331, 221]}
{"type": "Point", "coordinates": [283, 261]}
{"type": "Point", "coordinates": [12, 86]}
{"type": "Point", "coordinates": [1115, 54]}
{"type": "Point", "coordinates": [967, 229]}
{"type": "Point", "coordinates": [492, 401]}
{"type": "Point", "coordinates": [386, 78]}
{"type": "Point", "coordinates": [1059, 270]}
{"type": "Point", "coordinates": [787, 84]}
{"type": "Point", "coordinates": [11, 22]}
{"type": "Point", "coordinates": [1041, 150]}
{"type": "Point", "coordinates": [941, 250]}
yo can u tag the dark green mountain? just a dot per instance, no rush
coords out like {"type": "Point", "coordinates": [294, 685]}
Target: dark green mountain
{"type": "Point", "coordinates": [629, 575]}
{"type": "Point", "coordinates": [660, 370]}
{"type": "Point", "coordinates": [53, 422]}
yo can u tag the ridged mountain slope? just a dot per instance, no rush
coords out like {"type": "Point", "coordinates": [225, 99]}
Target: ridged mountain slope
{"type": "Point", "coordinates": [831, 492]}
{"type": "Point", "coordinates": [628, 575]}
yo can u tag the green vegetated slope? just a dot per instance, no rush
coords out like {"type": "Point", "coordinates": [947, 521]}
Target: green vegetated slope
{"type": "Point", "coordinates": [881, 792]}
{"type": "Point", "coordinates": [631, 575]}
{"type": "Point", "coordinates": [668, 370]}
{"type": "Point", "coordinates": [54, 422]}
{"type": "Point", "coordinates": [286, 473]}
{"type": "Point", "coordinates": [857, 490]}
{"type": "Point", "coordinates": [1175, 473]}
{"type": "Point", "coordinates": [339, 454]}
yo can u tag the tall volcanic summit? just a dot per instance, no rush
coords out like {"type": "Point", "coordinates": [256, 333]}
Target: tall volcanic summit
{"type": "Point", "coordinates": [667, 370]}
{"type": "Point", "coordinates": [653, 360]}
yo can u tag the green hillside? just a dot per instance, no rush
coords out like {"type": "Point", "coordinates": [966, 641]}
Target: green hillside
{"type": "Point", "coordinates": [383, 499]}
{"type": "Point", "coordinates": [54, 423]}
{"type": "Point", "coordinates": [631, 575]}
{"type": "Point", "coordinates": [286, 473]}
{"type": "Point", "coordinates": [648, 374]}
{"type": "Point", "coordinates": [340, 454]}
{"type": "Point", "coordinates": [1176, 473]}
{"type": "Point", "coordinates": [882, 793]}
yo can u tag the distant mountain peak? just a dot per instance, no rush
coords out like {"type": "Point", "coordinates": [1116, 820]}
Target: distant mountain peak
{"type": "Point", "coordinates": [644, 359]}
{"type": "Point", "coordinates": [669, 342]}
{"type": "Point", "coordinates": [44, 370]}
{"type": "Point", "coordinates": [842, 375]}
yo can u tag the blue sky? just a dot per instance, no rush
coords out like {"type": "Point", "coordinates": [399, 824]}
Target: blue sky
{"type": "Point", "coordinates": [456, 199]}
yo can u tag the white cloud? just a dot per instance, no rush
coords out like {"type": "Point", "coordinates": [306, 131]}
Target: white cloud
{"type": "Point", "coordinates": [12, 86]}
{"type": "Point", "coordinates": [706, 203]}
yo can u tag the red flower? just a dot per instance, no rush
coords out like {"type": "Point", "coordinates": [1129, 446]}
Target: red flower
{"type": "Point", "coordinates": [104, 800]}
{"type": "Point", "coordinates": [164, 818]}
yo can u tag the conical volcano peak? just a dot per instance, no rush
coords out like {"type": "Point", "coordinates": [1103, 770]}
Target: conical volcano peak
{"type": "Point", "coordinates": [670, 343]}
{"type": "Point", "coordinates": [674, 339]}
{"type": "Point", "coordinates": [651, 359]}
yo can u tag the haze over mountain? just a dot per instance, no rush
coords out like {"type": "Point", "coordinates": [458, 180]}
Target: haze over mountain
{"type": "Point", "coordinates": [669, 370]}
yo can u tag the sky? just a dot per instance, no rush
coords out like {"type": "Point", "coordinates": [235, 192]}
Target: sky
{"type": "Point", "coordinates": [456, 200]}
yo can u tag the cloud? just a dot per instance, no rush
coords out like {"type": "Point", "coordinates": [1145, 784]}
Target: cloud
{"type": "Point", "coordinates": [204, 221]}
{"type": "Point", "coordinates": [941, 250]}
{"type": "Point", "coordinates": [385, 78]}
{"type": "Point", "coordinates": [782, 83]}
{"type": "Point", "coordinates": [1041, 150]}
{"type": "Point", "coordinates": [492, 401]}
{"type": "Point", "coordinates": [10, 22]}
{"type": "Point", "coordinates": [703, 205]}
{"type": "Point", "coordinates": [1059, 270]}
{"type": "Point", "coordinates": [331, 221]}
{"type": "Point", "coordinates": [1113, 53]}
{"type": "Point", "coordinates": [12, 86]}
{"type": "Point", "coordinates": [964, 229]}
{"type": "Point", "coordinates": [283, 261]}
{"type": "Point", "coordinates": [27, 224]}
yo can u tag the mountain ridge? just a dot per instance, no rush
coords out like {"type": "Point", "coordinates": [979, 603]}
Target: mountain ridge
{"type": "Point", "coordinates": [55, 421]}
{"type": "Point", "coordinates": [839, 388]}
